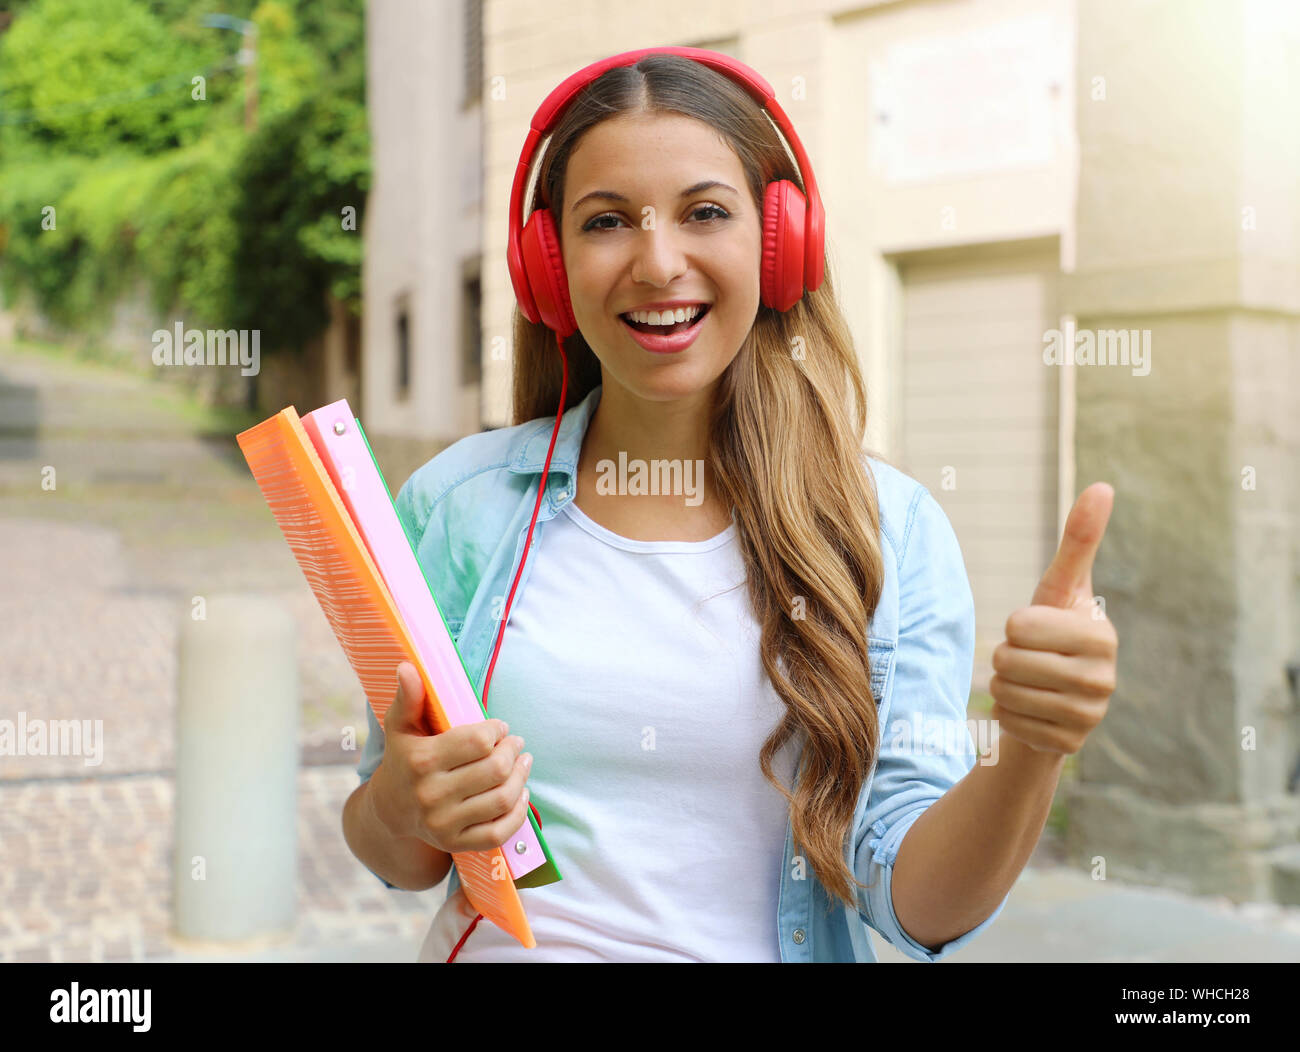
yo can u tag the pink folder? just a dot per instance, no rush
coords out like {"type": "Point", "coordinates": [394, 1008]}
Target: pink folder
{"type": "Point", "coordinates": [343, 449]}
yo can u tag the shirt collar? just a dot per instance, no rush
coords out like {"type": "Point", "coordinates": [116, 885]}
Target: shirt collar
{"type": "Point", "coordinates": [531, 457]}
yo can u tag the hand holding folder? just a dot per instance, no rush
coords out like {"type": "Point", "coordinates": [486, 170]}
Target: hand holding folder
{"type": "Point", "coordinates": [328, 496]}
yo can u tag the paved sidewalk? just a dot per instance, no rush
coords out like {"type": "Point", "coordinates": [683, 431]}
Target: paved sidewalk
{"type": "Point", "coordinates": [1057, 915]}
{"type": "Point", "coordinates": [96, 577]}
{"type": "Point", "coordinates": [87, 876]}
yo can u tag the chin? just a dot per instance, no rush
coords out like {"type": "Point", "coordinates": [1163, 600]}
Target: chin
{"type": "Point", "coordinates": [670, 383]}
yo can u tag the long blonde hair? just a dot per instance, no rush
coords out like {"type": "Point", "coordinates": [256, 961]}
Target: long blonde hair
{"type": "Point", "coordinates": [786, 452]}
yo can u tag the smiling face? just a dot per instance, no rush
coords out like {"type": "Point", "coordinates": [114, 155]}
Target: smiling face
{"type": "Point", "coordinates": [658, 245]}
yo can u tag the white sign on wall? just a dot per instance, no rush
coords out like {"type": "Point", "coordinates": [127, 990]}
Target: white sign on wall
{"type": "Point", "coordinates": [984, 100]}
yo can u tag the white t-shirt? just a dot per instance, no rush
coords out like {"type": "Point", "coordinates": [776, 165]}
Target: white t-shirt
{"type": "Point", "coordinates": [631, 669]}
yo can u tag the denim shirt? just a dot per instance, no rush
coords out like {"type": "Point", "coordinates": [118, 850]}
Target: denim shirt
{"type": "Point", "coordinates": [467, 512]}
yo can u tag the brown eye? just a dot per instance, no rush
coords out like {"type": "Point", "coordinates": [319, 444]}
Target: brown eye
{"type": "Point", "coordinates": [590, 224]}
{"type": "Point", "coordinates": [718, 213]}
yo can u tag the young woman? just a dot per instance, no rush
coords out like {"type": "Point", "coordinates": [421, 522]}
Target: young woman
{"type": "Point", "coordinates": [725, 682]}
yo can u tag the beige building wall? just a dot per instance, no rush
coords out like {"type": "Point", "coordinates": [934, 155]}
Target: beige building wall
{"type": "Point", "coordinates": [1189, 229]}
{"type": "Point", "coordinates": [423, 230]}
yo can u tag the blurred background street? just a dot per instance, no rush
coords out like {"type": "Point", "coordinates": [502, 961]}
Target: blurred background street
{"type": "Point", "coordinates": [327, 181]}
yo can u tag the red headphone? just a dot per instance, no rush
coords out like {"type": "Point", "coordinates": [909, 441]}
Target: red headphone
{"type": "Point", "coordinates": [794, 252]}
{"type": "Point", "coordinates": [794, 246]}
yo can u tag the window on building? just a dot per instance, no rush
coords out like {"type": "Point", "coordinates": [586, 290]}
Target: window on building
{"type": "Point", "coordinates": [352, 345]}
{"type": "Point", "coordinates": [473, 11]}
{"type": "Point", "coordinates": [403, 349]}
{"type": "Point", "coordinates": [471, 342]}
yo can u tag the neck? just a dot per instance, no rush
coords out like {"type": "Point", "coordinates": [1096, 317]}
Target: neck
{"type": "Point", "coordinates": [650, 432]}
{"type": "Point", "coordinates": [646, 430]}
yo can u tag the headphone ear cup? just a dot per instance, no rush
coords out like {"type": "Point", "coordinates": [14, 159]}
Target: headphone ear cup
{"type": "Point", "coordinates": [781, 275]}
{"type": "Point", "coordinates": [544, 270]}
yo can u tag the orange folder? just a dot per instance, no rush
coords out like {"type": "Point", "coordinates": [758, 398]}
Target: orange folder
{"type": "Point", "coordinates": [361, 611]}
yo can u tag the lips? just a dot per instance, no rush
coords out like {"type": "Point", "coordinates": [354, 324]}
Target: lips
{"type": "Point", "coordinates": [672, 342]}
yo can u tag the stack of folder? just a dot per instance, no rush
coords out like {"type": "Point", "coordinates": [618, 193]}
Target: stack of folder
{"type": "Point", "coordinates": [324, 487]}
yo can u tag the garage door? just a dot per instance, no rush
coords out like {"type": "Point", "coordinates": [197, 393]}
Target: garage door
{"type": "Point", "coordinates": [979, 415]}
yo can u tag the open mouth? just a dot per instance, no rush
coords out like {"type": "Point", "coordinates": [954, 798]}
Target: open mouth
{"type": "Point", "coordinates": [694, 315]}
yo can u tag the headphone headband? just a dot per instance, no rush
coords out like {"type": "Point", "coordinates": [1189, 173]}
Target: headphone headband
{"type": "Point", "coordinates": [555, 104]}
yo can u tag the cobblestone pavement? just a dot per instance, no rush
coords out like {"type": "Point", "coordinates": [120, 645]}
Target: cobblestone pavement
{"type": "Point", "coordinates": [87, 873]}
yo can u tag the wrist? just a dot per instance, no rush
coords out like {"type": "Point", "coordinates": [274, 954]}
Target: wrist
{"type": "Point", "coordinates": [1025, 755]}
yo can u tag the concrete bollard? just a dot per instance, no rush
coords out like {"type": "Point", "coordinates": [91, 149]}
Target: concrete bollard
{"type": "Point", "coordinates": [235, 846]}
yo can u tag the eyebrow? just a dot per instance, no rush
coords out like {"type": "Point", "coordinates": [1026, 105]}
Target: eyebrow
{"type": "Point", "coordinates": [610, 195]}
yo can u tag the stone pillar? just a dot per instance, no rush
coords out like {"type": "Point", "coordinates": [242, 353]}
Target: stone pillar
{"type": "Point", "coordinates": [1188, 227]}
{"type": "Point", "coordinates": [235, 848]}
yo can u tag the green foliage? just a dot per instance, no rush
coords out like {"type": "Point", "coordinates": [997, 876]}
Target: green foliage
{"type": "Point", "coordinates": [186, 239]}
{"type": "Point", "coordinates": [229, 228]}
{"type": "Point", "coordinates": [45, 265]}
{"type": "Point", "coordinates": [296, 177]}
{"type": "Point", "coordinates": [89, 76]}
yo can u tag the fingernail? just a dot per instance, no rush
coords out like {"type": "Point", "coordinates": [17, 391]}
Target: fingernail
{"type": "Point", "coordinates": [528, 760]}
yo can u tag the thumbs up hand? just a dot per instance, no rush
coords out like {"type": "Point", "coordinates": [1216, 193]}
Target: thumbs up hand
{"type": "Point", "coordinates": [1055, 671]}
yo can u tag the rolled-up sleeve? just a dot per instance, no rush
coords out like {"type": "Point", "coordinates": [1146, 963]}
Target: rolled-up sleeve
{"type": "Point", "coordinates": [373, 751]}
{"type": "Point", "coordinates": [925, 742]}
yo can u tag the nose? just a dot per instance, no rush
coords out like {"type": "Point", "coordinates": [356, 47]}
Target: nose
{"type": "Point", "coordinates": [659, 256]}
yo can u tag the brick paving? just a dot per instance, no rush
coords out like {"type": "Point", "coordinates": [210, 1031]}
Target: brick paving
{"type": "Point", "coordinates": [87, 639]}
{"type": "Point", "coordinates": [87, 872]}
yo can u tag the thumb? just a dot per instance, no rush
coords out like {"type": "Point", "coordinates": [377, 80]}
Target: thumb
{"type": "Point", "coordinates": [406, 715]}
{"type": "Point", "coordinates": [1069, 575]}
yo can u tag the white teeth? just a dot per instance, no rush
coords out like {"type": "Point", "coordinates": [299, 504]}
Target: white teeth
{"type": "Point", "coordinates": [666, 317]}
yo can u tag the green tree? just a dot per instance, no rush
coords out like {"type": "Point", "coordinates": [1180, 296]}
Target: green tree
{"type": "Point", "coordinates": [100, 130]}
{"type": "Point", "coordinates": [87, 77]}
